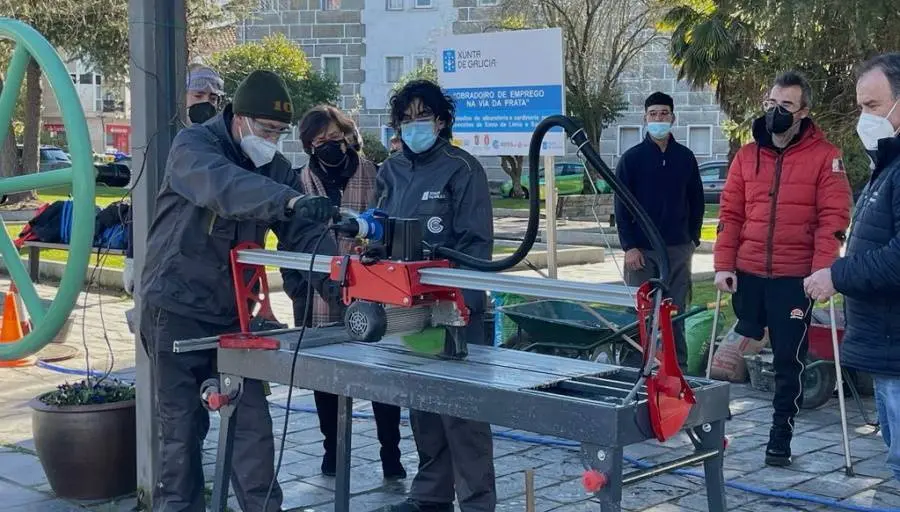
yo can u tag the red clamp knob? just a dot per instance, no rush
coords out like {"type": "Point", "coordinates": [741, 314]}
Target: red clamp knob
{"type": "Point", "coordinates": [217, 400]}
{"type": "Point", "coordinates": [593, 481]}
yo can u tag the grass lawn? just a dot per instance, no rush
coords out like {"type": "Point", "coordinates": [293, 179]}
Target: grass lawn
{"type": "Point", "coordinates": [712, 210]}
{"type": "Point", "coordinates": [104, 195]}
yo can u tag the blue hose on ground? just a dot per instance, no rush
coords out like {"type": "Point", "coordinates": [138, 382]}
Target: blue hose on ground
{"type": "Point", "coordinates": [552, 441]}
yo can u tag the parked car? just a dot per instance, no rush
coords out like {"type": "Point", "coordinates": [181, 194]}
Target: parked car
{"type": "Point", "coordinates": [713, 174]}
{"type": "Point", "coordinates": [50, 158]}
{"type": "Point", "coordinates": [116, 174]}
{"type": "Point", "coordinates": [569, 180]}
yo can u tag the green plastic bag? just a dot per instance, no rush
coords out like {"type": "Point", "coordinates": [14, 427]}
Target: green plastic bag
{"type": "Point", "coordinates": [697, 333]}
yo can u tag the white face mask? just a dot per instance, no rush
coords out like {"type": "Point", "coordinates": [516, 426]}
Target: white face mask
{"type": "Point", "coordinates": [872, 128]}
{"type": "Point", "coordinates": [257, 149]}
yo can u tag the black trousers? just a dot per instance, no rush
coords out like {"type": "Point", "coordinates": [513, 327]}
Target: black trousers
{"type": "Point", "coordinates": [184, 422]}
{"type": "Point", "coordinates": [456, 456]}
{"type": "Point", "coordinates": [781, 305]}
{"type": "Point", "coordinates": [387, 425]}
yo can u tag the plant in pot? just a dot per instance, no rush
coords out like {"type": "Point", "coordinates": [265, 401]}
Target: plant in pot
{"type": "Point", "coordinates": [84, 435]}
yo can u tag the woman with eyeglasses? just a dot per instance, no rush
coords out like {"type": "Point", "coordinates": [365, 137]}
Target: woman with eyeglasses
{"type": "Point", "coordinates": [337, 169]}
{"type": "Point", "coordinates": [446, 188]}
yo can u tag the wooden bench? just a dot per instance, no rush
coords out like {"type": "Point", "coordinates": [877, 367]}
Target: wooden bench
{"type": "Point", "coordinates": [34, 256]}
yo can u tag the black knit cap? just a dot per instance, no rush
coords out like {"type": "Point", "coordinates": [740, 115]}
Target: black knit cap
{"type": "Point", "coordinates": [263, 95]}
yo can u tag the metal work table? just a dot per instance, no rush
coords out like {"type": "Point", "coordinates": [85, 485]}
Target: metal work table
{"type": "Point", "coordinates": [566, 398]}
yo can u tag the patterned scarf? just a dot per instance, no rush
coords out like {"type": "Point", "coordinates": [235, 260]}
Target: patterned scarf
{"type": "Point", "coordinates": [357, 196]}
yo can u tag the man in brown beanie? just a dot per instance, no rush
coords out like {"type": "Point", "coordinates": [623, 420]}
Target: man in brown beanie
{"type": "Point", "coordinates": [225, 183]}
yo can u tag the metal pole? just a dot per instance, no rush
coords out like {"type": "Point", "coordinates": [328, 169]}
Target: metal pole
{"type": "Point", "coordinates": [157, 43]}
{"type": "Point", "coordinates": [848, 464]}
{"type": "Point", "coordinates": [550, 212]}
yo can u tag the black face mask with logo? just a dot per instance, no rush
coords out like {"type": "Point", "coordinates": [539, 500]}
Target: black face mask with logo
{"type": "Point", "coordinates": [778, 120]}
{"type": "Point", "coordinates": [200, 113]}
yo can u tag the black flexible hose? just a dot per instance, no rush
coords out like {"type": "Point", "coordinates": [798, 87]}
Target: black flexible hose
{"type": "Point", "coordinates": [579, 139]}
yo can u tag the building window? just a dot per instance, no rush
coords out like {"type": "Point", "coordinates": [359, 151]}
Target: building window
{"type": "Point", "coordinates": [331, 5]}
{"type": "Point", "coordinates": [424, 4]}
{"type": "Point", "coordinates": [699, 140]}
{"type": "Point", "coordinates": [85, 79]}
{"type": "Point", "coordinates": [98, 94]}
{"type": "Point", "coordinates": [629, 136]}
{"type": "Point", "coordinates": [421, 61]}
{"type": "Point", "coordinates": [393, 69]}
{"type": "Point", "coordinates": [394, 5]}
{"type": "Point", "coordinates": [74, 78]}
{"type": "Point", "coordinates": [333, 66]}
{"type": "Point", "coordinates": [487, 3]}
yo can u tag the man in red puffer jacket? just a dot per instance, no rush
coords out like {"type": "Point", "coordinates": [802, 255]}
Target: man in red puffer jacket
{"type": "Point", "coordinates": [784, 211]}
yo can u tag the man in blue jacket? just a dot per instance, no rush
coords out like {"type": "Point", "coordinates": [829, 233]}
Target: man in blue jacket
{"type": "Point", "coordinates": [869, 275]}
{"type": "Point", "coordinates": [664, 177]}
{"type": "Point", "coordinates": [225, 183]}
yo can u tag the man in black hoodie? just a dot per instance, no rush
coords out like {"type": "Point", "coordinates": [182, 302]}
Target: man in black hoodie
{"type": "Point", "coordinates": [664, 177]}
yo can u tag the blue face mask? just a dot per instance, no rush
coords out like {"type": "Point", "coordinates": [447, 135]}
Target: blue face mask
{"type": "Point", "coordinates": [659, 130]}
{"type": "Point", "coordinates": [419, 136]}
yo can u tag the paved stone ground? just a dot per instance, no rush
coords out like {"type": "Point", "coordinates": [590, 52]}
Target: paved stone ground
{"type": "Point", "coordinates": [817, 468]}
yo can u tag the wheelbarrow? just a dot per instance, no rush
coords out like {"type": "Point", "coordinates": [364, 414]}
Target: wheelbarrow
{"type": "Point", "coordinates": [573, 329]}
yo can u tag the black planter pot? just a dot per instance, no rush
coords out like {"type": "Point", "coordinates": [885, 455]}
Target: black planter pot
{"type": "Point", "coordinates": [88, 451]}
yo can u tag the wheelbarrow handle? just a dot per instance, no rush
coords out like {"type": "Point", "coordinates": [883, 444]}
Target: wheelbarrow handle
{"type": "Point", "coordinates": [712, 336]}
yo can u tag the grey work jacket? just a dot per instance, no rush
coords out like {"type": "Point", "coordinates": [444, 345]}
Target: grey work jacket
{"type": "Point", "coordinates": [447, 189]}
{"type": "Point", "coordinates": [212, 198]}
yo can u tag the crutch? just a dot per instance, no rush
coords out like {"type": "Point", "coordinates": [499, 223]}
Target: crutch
{"type": "Point", "coordinates": [848, 464]}
{"type": "Point", "coordinates": [712, 337]}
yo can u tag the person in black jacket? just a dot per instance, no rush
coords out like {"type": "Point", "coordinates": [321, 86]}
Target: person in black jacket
{"type": "Point", "coordinates": [447, 190]}
{"type": "Point", "coordinates": [868, 276]}
{"type": "Point", "coordinates": [664, 177]}
{"type": "Point", "coordinates": [204, 96]}
{"type": "Point", "coordinates": [225, 183]}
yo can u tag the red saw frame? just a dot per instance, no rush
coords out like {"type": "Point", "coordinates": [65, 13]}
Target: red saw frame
{"type": "Point", "coordinates": [395, 283]}
{"type": "Point", "coordinates": [669, 396]}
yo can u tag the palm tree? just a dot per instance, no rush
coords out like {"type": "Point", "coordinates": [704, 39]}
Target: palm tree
{"type": "Point", "coordinates": [710, 47]}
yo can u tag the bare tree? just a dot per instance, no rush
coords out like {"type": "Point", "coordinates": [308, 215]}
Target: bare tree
{"type": "Point", "coordinates": [601, 38]}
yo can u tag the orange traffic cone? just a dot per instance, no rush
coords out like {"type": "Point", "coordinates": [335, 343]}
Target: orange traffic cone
{"type": "Point", "coordinates": [24, 317]}
{"type": "Point", "coordinates": [11, 330]}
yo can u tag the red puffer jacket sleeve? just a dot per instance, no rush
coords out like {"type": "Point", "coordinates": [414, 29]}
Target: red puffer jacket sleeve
{"type": "Point", "coordinates": [731, 217]}
{"type": "Point", "coordinates": [833, 203]}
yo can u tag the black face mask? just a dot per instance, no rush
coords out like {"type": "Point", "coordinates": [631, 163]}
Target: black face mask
{"type": "Point", "coordinates": [331, 154]}
{"type": "Point", "coordinates": [778, 120]}
{"type": "Point", "coordinates": [200, 113]}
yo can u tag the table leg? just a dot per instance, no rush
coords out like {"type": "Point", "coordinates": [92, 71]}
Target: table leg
{"type": "Point", "coordinates": [712, 437]}
{"type": "Point", "coordinates": [609, 462]}
{"type": "Point", "coordinates": [34, 264]}
{"type": "Point", "coordinates": [344, 439]}
{"type": "Point", "coordinates": [225, 450]}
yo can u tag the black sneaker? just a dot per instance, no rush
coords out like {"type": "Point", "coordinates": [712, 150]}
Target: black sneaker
{"type": "Point", "coordinates": [329, 464]}
{"type": "Point", "coordinates": [411, 505]}
{"type": "Point", "coordinates": [778, 451]}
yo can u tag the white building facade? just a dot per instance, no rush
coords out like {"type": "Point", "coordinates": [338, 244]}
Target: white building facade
{"type": "Point", "coordinates": [369, 44]}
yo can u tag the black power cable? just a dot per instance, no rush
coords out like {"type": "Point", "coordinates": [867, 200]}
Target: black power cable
{"type": "Point", "coordinates": [287, 412]}
{"type": "Point", "coordinates": [579, 138]}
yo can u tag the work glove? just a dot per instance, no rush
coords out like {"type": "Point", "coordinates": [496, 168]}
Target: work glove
{"type": "Point", "coordinates": [726, 281]}
{"type": "Point", "coordinates": [312, 207]}
{"type": "Point", "coordinates": [128, 276]}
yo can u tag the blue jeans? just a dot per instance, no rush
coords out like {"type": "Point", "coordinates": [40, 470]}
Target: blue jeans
{"type": "Point", "coordinates": [887, 402]}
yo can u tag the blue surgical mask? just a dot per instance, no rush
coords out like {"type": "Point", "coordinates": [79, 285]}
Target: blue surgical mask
{"type": "Point", "coordinates": [659, 130]}
{"type": "Point", "coordinates": [419, 136]}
